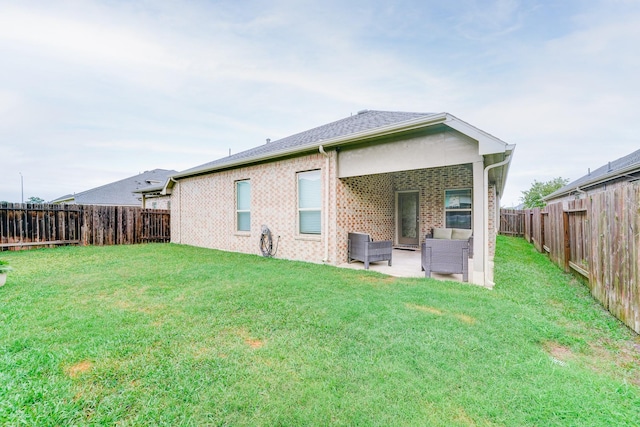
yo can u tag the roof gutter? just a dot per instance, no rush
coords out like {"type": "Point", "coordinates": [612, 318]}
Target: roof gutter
{"type": "Point", "coordinates": [509, 149]}
{"type": "Point", "coordinates": [168, 186]}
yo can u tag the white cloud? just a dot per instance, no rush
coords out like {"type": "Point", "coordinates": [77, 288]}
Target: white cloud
{"type": "Point", "coordinates": [81, 40]}
{"type": "Point", "coordinates": [100, 87]}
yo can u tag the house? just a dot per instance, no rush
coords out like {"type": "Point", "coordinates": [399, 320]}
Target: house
{"type": "Point", "coordinates": [124, 192]}
{"type": "Point", "coordinates": [394, 175]}
{"type": "Point", "coordinates": [613, 174]}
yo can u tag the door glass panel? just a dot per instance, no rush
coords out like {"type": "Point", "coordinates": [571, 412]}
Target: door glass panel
{"type": "Point", "coordinates": [408, 218]}
{"type": "Point", "coordinates": [408, 215]}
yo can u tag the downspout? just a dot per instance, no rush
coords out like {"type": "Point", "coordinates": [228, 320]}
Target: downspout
{"type": "Point", "coordinates": [485, 246]}
{"type": "Point", "coordinates": [326, 201]}
{"type": "Point", "coordinates": [179, 210]}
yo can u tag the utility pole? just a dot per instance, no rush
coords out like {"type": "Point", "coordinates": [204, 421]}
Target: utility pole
{"type": "Point", "coordinates": [21, 187]}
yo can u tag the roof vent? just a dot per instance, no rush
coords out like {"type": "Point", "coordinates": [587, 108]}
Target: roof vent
{"type": "Point", "coordinates": [268, 140]}
{"type": "Point", "coordinates": [609, 167]}
{"type": "Point", "coordinates": [363, 111]}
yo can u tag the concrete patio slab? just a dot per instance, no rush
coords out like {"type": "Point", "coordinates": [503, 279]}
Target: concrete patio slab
{"type": "Point", "coordinates": [406, 263]}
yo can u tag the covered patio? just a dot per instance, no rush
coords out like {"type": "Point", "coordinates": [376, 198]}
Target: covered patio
{"type": "Point", "coordinates": [449, 175]}
{"type": "Point", "coordinates": [406, 263]}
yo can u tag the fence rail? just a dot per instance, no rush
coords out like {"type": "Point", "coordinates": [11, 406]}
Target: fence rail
{"type": "Point", "coordinates": [597, 238]}
{"type": "Point", "coordinates": [27, 225]}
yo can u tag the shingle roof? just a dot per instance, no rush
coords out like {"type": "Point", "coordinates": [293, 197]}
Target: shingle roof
{"type": "Point", "coordinates": [362, 121]}
{"type": "Point", "coordinates": [121, 192]}
{"type": "Point", "coordinates": [609, 169]}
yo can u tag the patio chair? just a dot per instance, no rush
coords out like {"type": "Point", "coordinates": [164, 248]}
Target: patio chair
{"type": "Point", "coordinates": [445, 256]}
{"type": "Point", "coordinates": [361, 247]}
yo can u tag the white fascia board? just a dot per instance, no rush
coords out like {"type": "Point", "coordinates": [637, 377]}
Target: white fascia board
{"type": "Point", "coordinates": [154, 189]}
{"type": "Point", "coordinates": [487, 144]}
{"type": "Point", "coordinates": [62, 201]}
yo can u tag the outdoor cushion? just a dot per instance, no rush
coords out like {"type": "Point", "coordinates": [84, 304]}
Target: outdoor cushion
{"type": "Point", "coordinates": [442, 233]}
{"type": "Point", "coordinates": [461, 234]}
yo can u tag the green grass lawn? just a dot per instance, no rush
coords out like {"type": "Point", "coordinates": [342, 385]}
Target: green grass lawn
{"type": "Point", "coordinates": [175, 335]}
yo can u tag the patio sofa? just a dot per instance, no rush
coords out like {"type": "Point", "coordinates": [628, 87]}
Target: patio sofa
{"type": "Point", "coordinates": [447, 250]}
{"type": "Point", "coordinates": [445, 256]}
{"type": "Point", "coordinates": [452, 234]}
{"type": "Point", "coordinates": [361, 247]}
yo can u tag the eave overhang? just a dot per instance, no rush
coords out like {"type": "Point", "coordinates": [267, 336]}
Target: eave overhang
{"type": "Point", "coordinates": [487, 144]}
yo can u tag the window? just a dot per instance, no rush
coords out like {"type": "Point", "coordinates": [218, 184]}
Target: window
{"type": "Point", "coordinates": [243, 205]}
{"type": "Point", "coordinates": [457, 208]}
{"type": "Point", "coordinates": [309, 202]}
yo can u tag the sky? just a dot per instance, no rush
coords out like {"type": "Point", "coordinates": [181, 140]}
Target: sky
{"type": "Point", "coordinates": [94, 91]}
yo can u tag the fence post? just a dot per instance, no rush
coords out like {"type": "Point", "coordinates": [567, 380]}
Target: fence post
{"type": "Point", "coordinates": [567, 240]}
{"type": "Point", "coordinates": [542, 242]}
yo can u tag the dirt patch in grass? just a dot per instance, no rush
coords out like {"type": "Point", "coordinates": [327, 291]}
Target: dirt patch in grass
{"type": "Point", "coordinates": [124, 305]}
{"type": "Point", "coordinates": [432, 310]}
{"type": "Point", "coordinates": [465, 318]}
{"type": "Point", "coordinates": [557, 351]}
{"type": "Point", "coordinates": [201, 352]}
{"type": "Point", "coordinates": [425, 308]}
{"type": "Point", "coordinates": [462, 417]}
{"type": "Point", "coordinates": [253, 343]}
{"type": "Point", "coordinates": [605, 355]}
{"type": "Point", "coordinates": [79, 368]}
{"type": "Point", "coordinates": [373, 280]}
{"type": "Point", "coordinates": [249, 340]}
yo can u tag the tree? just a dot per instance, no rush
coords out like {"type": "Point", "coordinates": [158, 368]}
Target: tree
{"type": "Point", "coordinates": [532, 198]}
{"type": "Point", "coordinates": [34, 199]}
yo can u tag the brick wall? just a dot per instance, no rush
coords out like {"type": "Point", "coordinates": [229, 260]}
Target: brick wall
{"type": "Point", "coordinates": [364, 204]}
{"type": "Point", "coordinates": [161, 202]}
{"type": "Point", "coordinates": [203, 209]}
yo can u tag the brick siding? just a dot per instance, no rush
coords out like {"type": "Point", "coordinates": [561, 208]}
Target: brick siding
{"type": "Point", "coordinates": [203, 208]}
{"type": "Point", "coordinates": [206, 209]}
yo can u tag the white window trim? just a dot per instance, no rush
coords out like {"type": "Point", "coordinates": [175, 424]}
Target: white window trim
{"type": "Point", "coordinates": [307, 236]}
{"type": "Point", "coordinates": [237, 211]}
{"type": "Point", "coordinates": [470, 209]}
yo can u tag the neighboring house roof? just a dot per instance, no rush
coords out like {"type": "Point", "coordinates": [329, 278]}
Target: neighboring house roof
{"type": "Point", "coordinates": [627, 165]}
{"type": "Point", "coordinates": [121, 193]}
{"type": "Point", "coordinates": [366, 124]}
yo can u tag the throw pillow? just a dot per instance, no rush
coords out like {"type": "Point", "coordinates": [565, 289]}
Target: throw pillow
{"type": "Point", "coordinates": [442, 233]}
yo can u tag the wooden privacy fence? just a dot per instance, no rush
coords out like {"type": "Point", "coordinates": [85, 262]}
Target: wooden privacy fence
{"type": "Point", "coordinates": [512, 222]}
{"type": "Point", "coordinates": [23, 225]}
{"type": "Point", "coordinates": [598, 238]}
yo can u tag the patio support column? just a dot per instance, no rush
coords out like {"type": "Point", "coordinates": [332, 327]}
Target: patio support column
{"type": "Point", "coordinates": [479, 212]}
